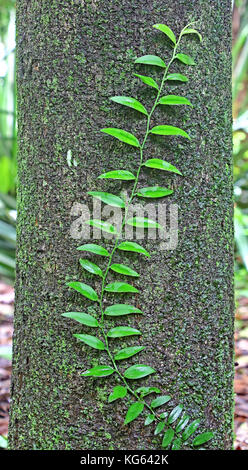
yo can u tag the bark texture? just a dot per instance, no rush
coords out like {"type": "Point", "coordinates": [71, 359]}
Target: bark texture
{"type": "Point", "coordinates": [72, 56]}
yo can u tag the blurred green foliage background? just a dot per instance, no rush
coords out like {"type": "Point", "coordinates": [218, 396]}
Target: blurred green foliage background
{"type": "Point", "coordinates": [7, 140]}
{"type": "Point", "coordinates": [8, 145]}
{"type": "Point", "coordinates": [240, 143]}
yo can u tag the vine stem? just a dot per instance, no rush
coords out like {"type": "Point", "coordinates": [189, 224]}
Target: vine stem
{"type": "Point", "coordinates": [119, 234]}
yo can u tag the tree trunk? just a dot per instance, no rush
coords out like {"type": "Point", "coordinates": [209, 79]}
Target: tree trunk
{"type": "Point", "coordinates": [72, 56]}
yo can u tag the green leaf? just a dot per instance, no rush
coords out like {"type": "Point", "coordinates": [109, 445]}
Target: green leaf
{"type": "Point", "coordinates": [166, 30]}
{"type": "Point", "coordinates": [177, 76]}
{"type": "Point", "coordinates": [182, 423]}
{"type": "Point", "coordinates": [192, 31]}
{"type": "Point", "coordinates": [176, 444]}
{"type": "Point", "coordinates": [122, 269]}
{"type": "Point", "coordinates": [159, 428]}
{"type": "Point", "coordinates": [168, 437]}
{"type": "Point", "coordinates": [131, 102]}
{"type": "Point", "coordinates": [118, 392]}
{"type": "Point", "coordinates": [172, 100]}
{"type": "Point", "coordinates": [147, 80]}
{"type": "Point", "coordinates": [138, 371]}
{"type": "Point", "coordinates": [121, 309]}
{"type": "Point", "coordinates": [83, 318]}
{"type": "Point", "coordinates": [122, 135]}
{"type": "Point", "coordinates": [161, 165]}
{"type": "Point", "coordinates": [120, 287]}
{"type": "Point", "coordinates": [163, 415]}
{"type": "Point", "coordinates": [104, 226]}
{"type": "Point", "coordinates": [191, 428]}
{"type": "Point", "coordinates": [121, 331]}
{"type": "Point", "coordinates": [185, 59]}
{"type": "Point", "coordinates": [84, 289]}
{"type": "Point", "coordinates": [90, 267]}
{"type": "Point", "coordinates": [92, 248]}
{"type": "Point", "coordinates": [150, 60]}
{"type": "Point", "coordinates": [154, 192]}
{"type": "Point", "coordinates": [144, 391]}
{"type": "Point", "coordinates": [159, 401]}
{"type": "Point", "coordinates": [134, 411]}
{"type": "Point", "coordinates": [169, 130]}
{"type": "Point", "coordinates": [118, 175]}
{"type": "Point", "coordinates": [149, 419]}
{"type": "Point", "coordinates": [202, 438]}
{"type": "Point", "coordinates": [134, 247]}
{"type": "Point", "coordinates": [143, 222]}
{"type": "Point", "coordinates": [98, 371]}
{"type": "Point", "coordinates": [91, 341]}
{"type": "Point", "coordinates": [175, 414]}
{"type": "Point", "coordinates": [128, 352]}
{"type": "Point", "coordinates": [108, 198]}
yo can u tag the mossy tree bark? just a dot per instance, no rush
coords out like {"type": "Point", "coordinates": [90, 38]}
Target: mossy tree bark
{"type": "Point", "coordinates": [72, 55]}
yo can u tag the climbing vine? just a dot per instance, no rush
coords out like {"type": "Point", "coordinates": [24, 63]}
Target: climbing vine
{"type": "Point", "coordinates": [175, 424]}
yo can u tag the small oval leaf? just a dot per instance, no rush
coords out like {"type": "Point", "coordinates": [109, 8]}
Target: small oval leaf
{"type": "Point", "coordinates": [185, 59]}
{"type": "Point", "coordinates": [159, 401]}
{"type": "Point", "coordinates": [192, 31]}
{"type": "Point", "coordinates": [120, 287]}
{"type": "Point", "coordinates": [84, 289]}
{"type": "Point", "coordinates": [128, 352]}
{"type": "Point", "coordinates": [159, 428]}
{"type": "Point", "coordinates": [121, 331]}
{"type": "Point", "coordinates": [150, 60]}
{"type": "Point", "coordinates": [147, 80]}
{"type": "Point", "coordinates": [91, 341]}
{"type": "Point", "coordinates": [172, 100]}
{"type": "Point", "coordinates": [130, 102]}
{"type": "Point", "coordinates": [118, 392]}
{"type": "Point", "coordinates": [177, 76]}
{"type": "Point", "coordinates": [121, 309]}
{"type": "Point", "coordinates": [144, 391]}
{"type": "Point", "coordinates": [99, 371]}
{"type": "Point", "coordinates": [143, 222]}
{"type": "Point", "coordinates": [168, 437]}
{"type": "Point", "coordinates": [83, 318]}
{"type": "Point", "coordinates": [93, 248]}
{"type": "Point", "coordinates": [202, 438]}
{"type": "Point", "coordinates": [122, 269]}
{"type": "Point", "coordinates": [191, 428]}
{"type": "Point", "coordinates": [124, 175]}
{"type": "Point", "coordinates": [138, 371]}
{"type": "Point", "coordinates": [176, 444]}
{"type": "Point", "coordinates": [134, 411]}
{"type": "Point", "coordinates": [122, 135]}
{"type": "Point", "coordinates": [149, 419]}
{"type": "Point", "coordinates": [90, 267]}
{"type": "Point", "coordinates": [154, 192]}
{"type": "Point", "coordinates": [108, 198]}
{"type": "Point", "coordinates": [169, 130]}
{"type": "Point", "coordinates": [161, 165]}
{"type": "Point", "coordinates": [166, 30]}
{"type": "Point", "coordinates": [175, 413]}
{"type": "Point", "coordinates": [134, 247]}
{"type": "Point", "coordinates": [104, 226]}
{"type": "Point", "coordinates": [182, 423]}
